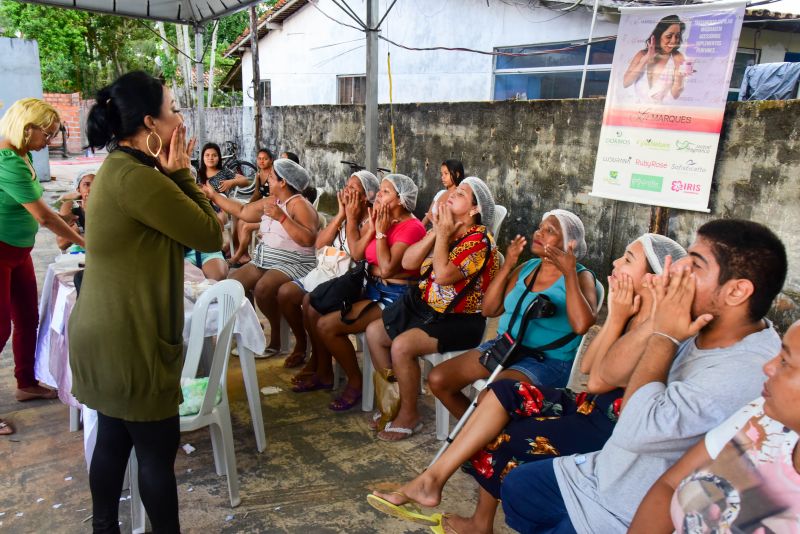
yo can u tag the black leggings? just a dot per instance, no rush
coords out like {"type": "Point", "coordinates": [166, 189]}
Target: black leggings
{"type": "Point", "coordinates": [156, 444]}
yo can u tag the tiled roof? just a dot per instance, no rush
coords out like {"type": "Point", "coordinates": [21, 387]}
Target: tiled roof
{"type": "Point", "coordinates": [282, 10]}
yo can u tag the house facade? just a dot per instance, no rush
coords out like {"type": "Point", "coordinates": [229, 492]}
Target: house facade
{"type": "Point", "coordinates": [311, 53]}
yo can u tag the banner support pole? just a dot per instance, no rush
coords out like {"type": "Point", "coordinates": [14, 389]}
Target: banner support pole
{"type": "Point", "coordinates": [588, 48]}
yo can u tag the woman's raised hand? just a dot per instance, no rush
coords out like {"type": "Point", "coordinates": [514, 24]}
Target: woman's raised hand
{"type": "Point", "coordinates": [383, 219]}
{"type": "Point", "coordinates": [514, 249]}
{"type": "Point", "coordinates": [351, 204]}
{"type": "Point", "coordinates": [623, 302]}
{"type": "Point", "coordinates": [444, 223]}
{"type": "Point", "coordinates": [179, 155]}
{"type": "Point", "coordinates": [651, 49]}
{"type": "Point", "coordinates": [340, 202]}
{"type": "Point", "coordinates": [207, 190]}
{"type": "Point", "coordinates": [271, 208]}
{"type": "Point", "coordinates": [566, 262]}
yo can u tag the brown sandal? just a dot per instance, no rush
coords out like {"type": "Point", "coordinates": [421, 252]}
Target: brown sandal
{"type": "Point", "coordinates": [35, 393]}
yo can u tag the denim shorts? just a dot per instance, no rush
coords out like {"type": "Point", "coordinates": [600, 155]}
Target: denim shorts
{"type": "Point", "coordinates": [383, 294]}
{"type": "Point", "coordinates": [204, 257]}
{"type": "Point", "coordinates": [551, 372]}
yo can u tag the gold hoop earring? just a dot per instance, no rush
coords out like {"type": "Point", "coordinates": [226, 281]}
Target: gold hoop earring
{"type": "Point", "coordinates": [160, 144]}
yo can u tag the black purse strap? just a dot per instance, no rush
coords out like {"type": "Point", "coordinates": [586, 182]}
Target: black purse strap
{"type": "Point", "coordinates": [528, 289]}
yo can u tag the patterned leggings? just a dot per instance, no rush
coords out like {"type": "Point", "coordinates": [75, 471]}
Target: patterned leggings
{"type": "Point", "coordinates": [545, 423]}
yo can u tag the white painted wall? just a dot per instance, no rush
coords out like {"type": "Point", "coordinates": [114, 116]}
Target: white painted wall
{"type": "Point", "coordinates": [20, 77]}
{"type": "Point", "coordinates": [773, 45]}
{"type": "Point", "coordinates": [303, 59]}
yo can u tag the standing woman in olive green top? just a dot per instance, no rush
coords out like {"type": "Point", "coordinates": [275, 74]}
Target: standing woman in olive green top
{"type": "Point", "coordinates": [125, 342]}
{"type": "Point", "coordinates": [27, 125]}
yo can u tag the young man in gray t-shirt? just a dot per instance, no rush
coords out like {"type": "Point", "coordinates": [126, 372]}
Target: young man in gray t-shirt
{"type": "Point", "coordinates": [701, 363]}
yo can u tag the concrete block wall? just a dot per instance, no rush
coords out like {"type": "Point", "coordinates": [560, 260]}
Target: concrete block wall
{"type": "Point", "coordinates": [539, 155]}
{"type": "Point", "coordinates": [69, 108]}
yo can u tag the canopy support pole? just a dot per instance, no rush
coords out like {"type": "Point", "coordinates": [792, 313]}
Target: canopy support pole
{"type": "Point", "coordinates": [371, 112]}
{"type": "Point", "coordinates": [200, 118]}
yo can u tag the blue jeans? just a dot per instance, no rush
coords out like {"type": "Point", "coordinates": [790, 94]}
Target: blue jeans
{"type": "Point", "coordinates": [532, 501]}
{"type": "Point", "coordinates": [551, 372]}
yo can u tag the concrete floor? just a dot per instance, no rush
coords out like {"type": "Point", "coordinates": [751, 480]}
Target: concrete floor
{"type": "Point", "coordinates": [312, 478]}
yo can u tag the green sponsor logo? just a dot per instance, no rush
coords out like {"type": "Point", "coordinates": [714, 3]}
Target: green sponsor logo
{"type": "Point", "coordinates": [646, 182]}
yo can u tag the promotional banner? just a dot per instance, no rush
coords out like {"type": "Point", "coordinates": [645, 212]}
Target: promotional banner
{"type": "Point", "coordinates": [666, 99]}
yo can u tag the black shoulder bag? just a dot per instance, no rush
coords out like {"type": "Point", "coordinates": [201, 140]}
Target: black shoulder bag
{"type": "Point", "coordinates": [340, 292]}
{"type": "Point", "coordinates": [411, 310]}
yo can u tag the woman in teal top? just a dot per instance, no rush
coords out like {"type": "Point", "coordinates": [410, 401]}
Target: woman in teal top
{"type": "Point", "coordinates": [555, 273]}
{"type": "Point", "coordinates": [27, 125]}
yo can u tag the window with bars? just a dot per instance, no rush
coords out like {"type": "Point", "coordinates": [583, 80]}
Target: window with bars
{"type": "Point", "coordinates": [265, 88]}
{"type": "Point", "coordinates": [351, 89]}
{"type": "Point", "coordinates": [554, 73]}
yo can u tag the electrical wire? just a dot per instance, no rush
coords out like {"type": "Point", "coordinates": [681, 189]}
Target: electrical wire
{"type": "Point", "coordinates": [315, 6]}
{"type": "Point", "coordinates": [493, 53]}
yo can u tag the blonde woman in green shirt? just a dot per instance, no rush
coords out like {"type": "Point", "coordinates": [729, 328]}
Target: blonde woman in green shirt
{"type": "Point", "coordinates": [27, 126]}
{"type": "Point", "coordinates": [125, 332]}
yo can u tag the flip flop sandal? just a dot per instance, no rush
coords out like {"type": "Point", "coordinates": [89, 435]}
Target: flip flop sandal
{"type": "Point", "coordinates": [373, 421]}
{"type": "Point", "coordinates": [269, 352]}
{"type": "Point", "coordinates": [5, 428]}
{"type": "Point", "coordinates": [443, 528]}
{"type": "Point", "coordinates": [348, 399]}
{"type": "Point", "coordinates": [404, 433]}
{"type": "Point", "coordinates": [302, 376]}
{"type": "Point", "coordinates": [312, 384]}
{"type": "Point", "coordinates": [409, 511]}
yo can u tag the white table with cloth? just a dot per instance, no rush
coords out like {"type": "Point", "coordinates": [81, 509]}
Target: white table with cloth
{"type": "Point", "coordinates": [52, 346]}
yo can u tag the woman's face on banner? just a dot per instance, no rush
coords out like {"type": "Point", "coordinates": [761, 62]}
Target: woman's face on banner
{"type": "Point", "coordinates": [670, 39]}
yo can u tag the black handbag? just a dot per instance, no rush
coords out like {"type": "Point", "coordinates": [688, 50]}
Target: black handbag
{"type": "Point", "coordinates": [411, 311]}
{"type": "Point", "coordinates": [340, 292]}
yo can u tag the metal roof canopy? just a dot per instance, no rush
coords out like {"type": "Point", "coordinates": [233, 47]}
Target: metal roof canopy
{"type": "Point", "coordinates": [192, 12]}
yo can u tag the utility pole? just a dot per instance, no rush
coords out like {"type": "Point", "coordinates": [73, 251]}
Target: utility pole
{"type": "Point", "coordinates": [200, 121]}
{"type": "Point", "coordinates": [256, 74]}
{"type": "Point", "coordinates": [371, 113]}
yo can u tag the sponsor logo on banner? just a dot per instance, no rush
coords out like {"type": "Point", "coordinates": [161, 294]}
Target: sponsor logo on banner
{"type": "Point", "coordinates": [612, 178]}
{"type": "Point", "coordinates": [653, 144]}
{"type": "Point", "coordinates": [646, 182]}
{"type": "Point", "coordinates": [617, 159]}
{"type": "Point", "coordinates": [648, 116]}
{"type": "Point", "coordinates": [680, 186]}
{"type": "Point", "coordinates": [651, 163]}
{"type": "Point", "coordinates": [618, 139]}
{"type": "Point", "coordinates": [689, 146]}
{"type": "Point", "coordinates": [689, 166]}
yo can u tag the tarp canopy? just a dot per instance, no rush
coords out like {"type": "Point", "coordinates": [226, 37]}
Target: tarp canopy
{"type": "Point", "coordinates": [177, 11]}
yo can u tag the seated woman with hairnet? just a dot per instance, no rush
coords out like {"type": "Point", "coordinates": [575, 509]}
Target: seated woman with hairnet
{"type": "Point", "coordinates": [392, 228]}
{"type": "Point", "coordinates": [73, 208]}
{"type": "Point", "coordinates": [457, 261]}
{"type": "Point", "coordinates": [287, 234]}
{"type": "Point", "coordinates": [554, 279]}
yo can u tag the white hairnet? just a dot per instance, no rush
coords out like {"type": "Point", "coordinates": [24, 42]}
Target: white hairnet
{"type": "Point", "coordinates": [81, 176]}
{"type": "Point", "coordinates": [369, 182]}
{"type": "Point", "coordinates": [291, 173]}
{"type": "Point", "coordinates": [572, 230]}
{"type": "Point", "coordinates": [484, 198]}
{"type": "Point", "coordinates": [406, 189]}
{"type": "Point", "coordinates": [657, 247]}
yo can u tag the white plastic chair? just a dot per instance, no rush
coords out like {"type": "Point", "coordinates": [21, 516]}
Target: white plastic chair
{"type": "Point", "coordinates": [500, 213]}
{"type": "Point", "coordinates": [229, 295]}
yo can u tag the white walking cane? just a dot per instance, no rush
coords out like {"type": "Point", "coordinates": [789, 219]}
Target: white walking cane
{"type": "Point", "coordinates": [499, 369]}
